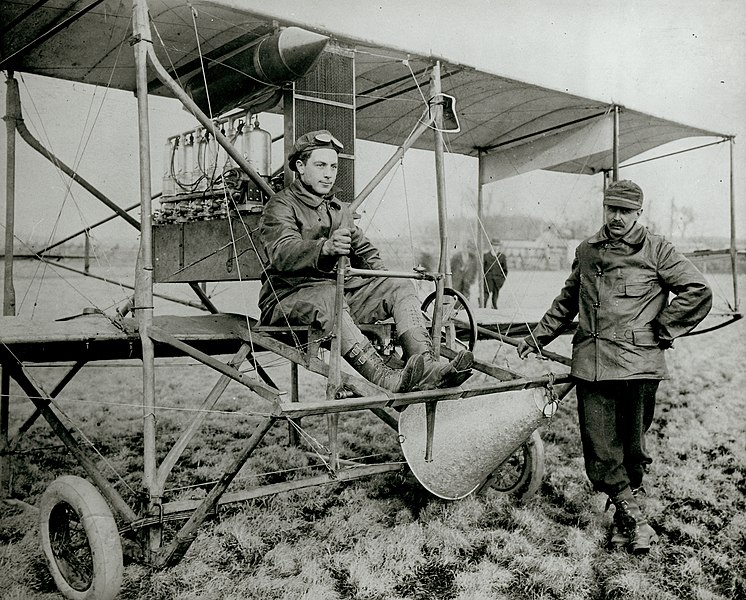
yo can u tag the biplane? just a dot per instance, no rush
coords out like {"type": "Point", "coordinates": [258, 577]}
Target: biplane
{"type": "Point", "coordinates": [228, 63]}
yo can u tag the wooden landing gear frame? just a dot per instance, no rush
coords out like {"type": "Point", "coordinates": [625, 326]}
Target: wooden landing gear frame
{"type": "Point", "coordinates": [82, 521]}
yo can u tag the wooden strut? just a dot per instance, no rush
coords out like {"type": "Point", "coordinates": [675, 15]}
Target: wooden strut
{"type": "Point", "coordinates": [182, 509]}
{"type": "Point", "coordinates": [295, 357]}
{"type": "Point", "coordinates": [28, 137]}
{"type": "Point", "coordinates": [26, 425]}
{"type": "Point", "coordinates": [173, 552]}
{"type": "Point", "coordinates": [404, 399]}
{"type": "Point", "coordinates": [334, 381]}
{"type": "Point", "coordinates": [120, 283]}
{"type": "Point", "coordinates": [443, 263]}
{"type": "Point", "coordinates": [313, 364]}
{"type": "Point", "coordinates": [268, 393]}
{"type": "Point", "coordinates": [168, 463]}
{"type": "Point", "coordinates": [13, 109]}
{"type": "Point", "coordinates": [422, 127]}
{"type": "Point", "coordinates": [72, 174]}
{"type": "Point", "coordinates": [564, 360]}
{"type": "Point", "coordinates": [42, 402]}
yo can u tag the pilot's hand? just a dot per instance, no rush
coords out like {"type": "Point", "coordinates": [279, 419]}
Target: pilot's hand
{"type": "Point", "coordinates": [524, 349]}
{"type": "Point", "coordinates": [339, 243]}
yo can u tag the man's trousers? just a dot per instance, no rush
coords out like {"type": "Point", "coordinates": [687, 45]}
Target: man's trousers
{"type": "Point", "coordinates": [614, 417]}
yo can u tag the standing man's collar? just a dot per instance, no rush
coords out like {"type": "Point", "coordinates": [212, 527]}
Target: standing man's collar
{"type": "Point", "coordinates": [634, 237]}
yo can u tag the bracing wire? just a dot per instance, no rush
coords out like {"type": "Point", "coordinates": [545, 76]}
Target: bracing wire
{"type": "Point", "coordinates": [230, 203]}
{"type": "Point", "coordinates": [82, 144]}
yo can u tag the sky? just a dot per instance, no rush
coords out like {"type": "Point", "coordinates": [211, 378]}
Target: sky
{"type": "Point", "coordinates": [683, 60]}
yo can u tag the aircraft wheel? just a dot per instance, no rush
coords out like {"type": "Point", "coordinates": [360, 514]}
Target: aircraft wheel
{"type": "Point", "coordinates": [523, 472]}
{"type": "Point", "coordinates": [456, 310]}
{"type": "Point", "coordinates": [80, 540]}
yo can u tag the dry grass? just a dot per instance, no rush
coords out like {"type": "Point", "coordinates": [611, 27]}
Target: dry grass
{"type": "Point", "coordinates": [386, 538]}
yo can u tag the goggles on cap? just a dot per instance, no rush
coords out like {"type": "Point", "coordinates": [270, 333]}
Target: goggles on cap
{"type": "Point", "coordinates": [328, 138]}
{"type": "Point", "coordinates": [306, 143]}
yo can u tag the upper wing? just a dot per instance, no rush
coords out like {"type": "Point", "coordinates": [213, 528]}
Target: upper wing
{"type": "Point", "coordinates": [515, 126]}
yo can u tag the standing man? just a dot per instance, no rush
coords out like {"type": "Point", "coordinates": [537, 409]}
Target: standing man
{"type": "Point", "coordinates": [305, 229]}
{"type": "Point", "coordinates": [495, 271]}
{"type": "Point", "coordinates": [619, 287]}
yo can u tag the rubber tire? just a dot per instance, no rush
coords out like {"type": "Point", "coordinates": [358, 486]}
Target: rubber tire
{"type": "Point", "coordinates": [460, 299]}
{"type": "Point", "coordinates": [532, 474]}
{"type": "Point", "coordinates": [104, 551]}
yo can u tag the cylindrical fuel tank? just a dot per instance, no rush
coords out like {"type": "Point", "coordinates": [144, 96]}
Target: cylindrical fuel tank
{"type": "Point", "coordinates": [272, 61]}
{"type": "Point", "coordinates": [169, 185]}
{"type": "Point", "coordinates": [256, 148]}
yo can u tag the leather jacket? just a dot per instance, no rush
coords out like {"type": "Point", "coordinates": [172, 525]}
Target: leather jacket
{"type": "Point", "coordinates": [619, 289]}
{"type": "Point", "coordinates": [295, 224]}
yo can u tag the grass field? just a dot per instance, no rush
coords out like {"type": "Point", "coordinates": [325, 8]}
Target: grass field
{"type": "Point", "coordinates": [386, 538]}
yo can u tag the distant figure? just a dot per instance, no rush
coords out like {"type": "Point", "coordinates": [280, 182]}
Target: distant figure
{"type": "Point", "coordinates": [463, 270]}
{"type": "Point", "coordinates": [495, 271]}
{"type": "Point", "coordinates": [426, 261]}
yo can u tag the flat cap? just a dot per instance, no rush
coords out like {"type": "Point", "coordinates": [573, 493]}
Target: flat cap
{"type": "Point", "coordinates": [311, 141]}
{"type": "Point", "coordinates": [624, 194]}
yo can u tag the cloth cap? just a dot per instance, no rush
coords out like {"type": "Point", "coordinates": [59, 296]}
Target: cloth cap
{"type": "Point", "coordinates": [624, 194]}
{"type": "Point", "coordinates": [310, 141]}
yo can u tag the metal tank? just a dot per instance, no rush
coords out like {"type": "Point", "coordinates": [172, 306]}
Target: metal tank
{"type": "Point", "coordinates": [256, 147]}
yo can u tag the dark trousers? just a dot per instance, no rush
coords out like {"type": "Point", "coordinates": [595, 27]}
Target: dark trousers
{"type": "Point", "coordinates": [492, 286]}
{"type": "Point", "coordinates": [614, 417]}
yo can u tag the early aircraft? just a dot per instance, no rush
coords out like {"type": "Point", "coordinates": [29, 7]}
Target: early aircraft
{"type": "Point", "coordinates": [227, 62]}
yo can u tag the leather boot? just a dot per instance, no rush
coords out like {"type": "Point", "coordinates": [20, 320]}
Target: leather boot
{"type": "Point", "coordinates": [632, 524]}
{"type": "Point", "coordinates": [366, 361]}
{"type": "Point", "coordinates": [437, 374]}
{"type": "Point", "coordinates": [618, 535]}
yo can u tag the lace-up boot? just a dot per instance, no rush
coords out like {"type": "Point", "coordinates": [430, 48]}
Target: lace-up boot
{"type": "Point", "coordinates": [366, 361]}
{"type": "Point", "coordinates": [630, 527]}
{"type": "Point", "coordinates": [437, 374]}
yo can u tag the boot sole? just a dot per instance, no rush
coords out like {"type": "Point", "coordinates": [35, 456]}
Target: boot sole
{"type": "Point", "coordinates": [461, 370]}
{"type": "Point", "coordinates": [417, 370]}
{"type": "Point", "coordinates": [638, 550]}
{"type": "Point", "coordinates": [464, 361]}
{"type": "Point", "coordinates": [456, 378]}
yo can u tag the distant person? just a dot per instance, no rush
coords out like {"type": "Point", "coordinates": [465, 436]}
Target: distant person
{"type": "Point", "coordinates": [305, 229]}
{"type": "Point", "coordinates": [463, 270]}
{"type": "Point", "coordinates": [427, 261]}
{"type": "Point", "coordinates": [495, 271]}
{"type": "Point", "coordinates": [619, 287]}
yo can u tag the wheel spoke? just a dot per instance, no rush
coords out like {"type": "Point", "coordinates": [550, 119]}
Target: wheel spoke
{"type": "Point", "coordinates": [70, 547]}
{"type": "Point", "coordinates": [510, 472]}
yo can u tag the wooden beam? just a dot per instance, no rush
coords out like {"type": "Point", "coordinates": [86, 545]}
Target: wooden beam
{"type": "Point", "coordinates": [186, 436]}
{"type": "Point", "coordinates": [305, 409]}
{"type": "Point", "coordinates": [42, 402]}
{"type": "Point", "coordinates": [258, 387]}
{"type": "Point", "coordinates": [172, 553]}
